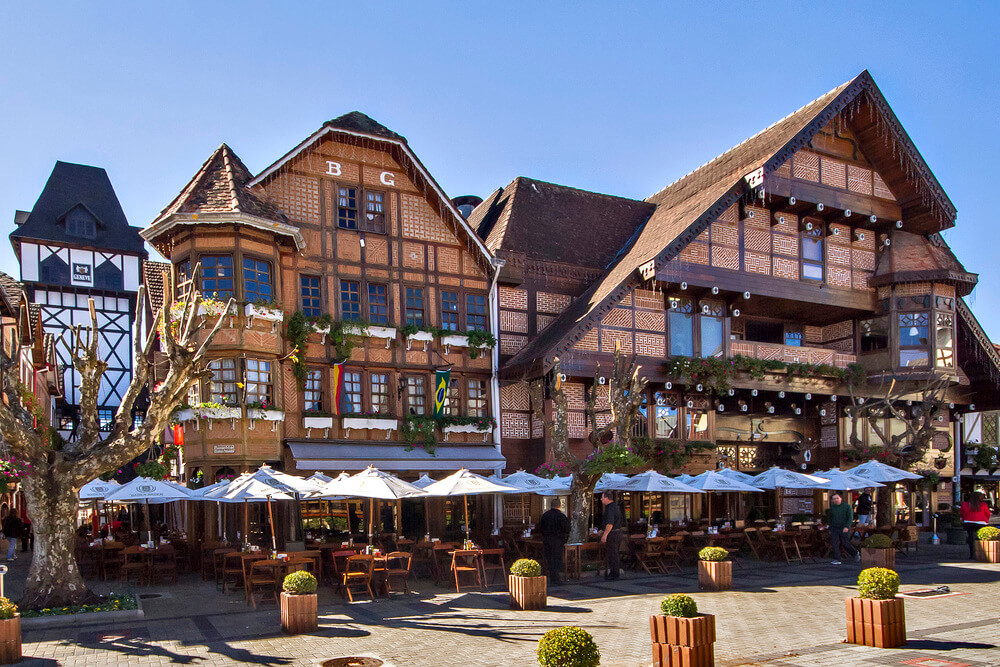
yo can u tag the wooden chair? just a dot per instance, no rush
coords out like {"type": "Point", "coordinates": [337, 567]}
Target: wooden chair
{"type": "Point", "coordinates": [164, 564]}
{"type": "Point", "coordinates": [466, 561]}
{"type": "Point", "coordinates": [339, 561]}
{"type": "Point", "coordinates": [670, 553]}
{"type": "Point", "coordinates": [207, 563]}
{"type": "Point", "coordinates": [650, 555]}
{"type": "Point", "coordinates": [753, 539]}
{"type": "Point", "coordinates": [403, 544]}
{"type": "Point", "coordinates": [358, 574]}
{"type": "Point", "coordinates": [397, 567]}
{"type": "Point", "coordinates": [134, 562]}
{"type": "Point", "coordinates": [492, 561]}
{"type": "Point", "coordinates": [219, 563]}
{"type": "Point", "coordinates": [263, 576]}
{"type": "Point", "coordinates": [439, 552]}
{"type": "Point", "coordinates": [906, 536]}
{"type": "Point", "coordinates": [112, 559]}
{"type": "Point", "coordinates": [232, 569]}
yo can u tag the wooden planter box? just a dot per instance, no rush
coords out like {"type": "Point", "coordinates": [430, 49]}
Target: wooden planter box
{"type": "Point", "coordinates": [528, 592]}
{"type": "Point", "coordinates": [878, 558]}
{"type": "Point", "coordinates": [715, 575]}
{"type": "Point", "coordinates": [683, 642]}
{"type": "Point", "coordinates": [299, 613]}
{"type": "Point", "coordinates": [10, 640]}
{"type": "Point", "coordinates": [879, 623]}
{"type": "Point", "coordinates": [988, 551]}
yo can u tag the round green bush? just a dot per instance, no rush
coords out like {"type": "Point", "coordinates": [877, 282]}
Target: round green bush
{"type": "Point", "coordinates": [679, 604]}
{"type": "Point", "coordinates": [7, 609]}
{"type": "Point", "coordinates": [877, 541]}
{"type": "Point", "coordinates": [713, 554]}
{"type": "Point", "coordinates": [300, 583]}
{"type": "Point", "coordinates": [988, 534]}
{"type": "Point", "coordinates": [526, 567]}
{"type": "Point", "coordinates": [568, 646]}
{"type": "Point", "coordinates": [878, 583]}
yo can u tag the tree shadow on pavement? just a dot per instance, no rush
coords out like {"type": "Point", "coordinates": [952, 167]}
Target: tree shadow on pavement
{"type": "Point", "coordinates": [939, 645]}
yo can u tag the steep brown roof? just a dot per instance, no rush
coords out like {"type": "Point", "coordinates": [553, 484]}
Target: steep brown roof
{"type": "Point", "coordinates": [686, 207]}
{"type": "Point", "coordinates": [155, 276]}
{"type": "Point", "coordinates": [12, 290]}
{"type": "Point", "coordinates": [558, 223]}
{"type": "Point", "coordinates": [220, 187]}
{"type": "Point", "coordinates": [917, 258]}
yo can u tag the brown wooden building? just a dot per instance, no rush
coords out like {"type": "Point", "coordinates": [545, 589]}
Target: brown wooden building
{"type": "Point", "coordinates": [815, 243]}
{"type": "Point", "coordinates": [350, 231]}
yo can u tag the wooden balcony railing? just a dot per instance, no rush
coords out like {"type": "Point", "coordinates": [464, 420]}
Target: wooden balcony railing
{"type": "Point", "coordinates": [791, 353]}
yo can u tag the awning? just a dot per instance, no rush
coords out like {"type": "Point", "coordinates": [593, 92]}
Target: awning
{"type": "Point", "coordinates": [358, 456]}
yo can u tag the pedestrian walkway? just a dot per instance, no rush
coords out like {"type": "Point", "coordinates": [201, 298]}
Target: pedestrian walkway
{"type": "Point", "coordinates": [779, 614]}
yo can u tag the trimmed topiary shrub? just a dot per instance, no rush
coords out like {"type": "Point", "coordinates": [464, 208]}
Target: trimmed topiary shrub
{"type": "Point", "coordinates": [7, 609]}
{"type": "Point", "coordinates": [568, 646]}
{"type": "Point", "coordinates": [713, 554]}
{"type": "Point", "coordinates": [526, 567]}
{"type": "Point", "coordinates": [988, 534]}
{"type": "Point", "coordinates": [878, 583]}
{"type": "Point", "coordinates": [300, 583]}
{"type": "Point", "coordinates": [679, 604]}
{"type": "Point", "coordinates": [877, 541]}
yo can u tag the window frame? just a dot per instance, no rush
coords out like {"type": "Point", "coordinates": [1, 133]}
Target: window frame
{"type": "Point", "coordinates": [267, 398]}
{"type": "Point", "coordinates": [341, 208]}
{"type": "Point", "coordinates": [244, 281]}
{"type": "Point", "coordinates": [216, 293]}
{"type": "Point", "coordinates": [408, 396]}
{"type": "Point", "coordinates": [313, 375]}
{"type": "Point", "coordinates": [407, 309]}
{"type": "Point", "coordinates": [307, 309]}
{"type": "Point", "coordinates": [340, 298]}
{"type": "Point", "coordinates": [814, 234]}
{"type": "Point", "coordinates": [462, 308]}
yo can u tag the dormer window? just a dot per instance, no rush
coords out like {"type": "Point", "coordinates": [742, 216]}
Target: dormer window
{"type": "Point", "coordinates": [80, 223]}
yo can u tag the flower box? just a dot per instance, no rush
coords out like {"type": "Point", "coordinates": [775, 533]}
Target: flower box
{"type": "Point", "coordinates": [379, 423]}
{"type": "Point", "coordinates": [878, 623]}
{"type": "Point", "coordinates": [354, 330]}
{"type": "Point", "coordinates": [528, 592]}
{"type": "Point", "coordinates": [267, 414]}
{"type": "Point", "coordinates": [299, 613]}
{"type": "Point", "coordinates": [185, 415]}
{"type": "Point", "coordinates": [878, 558]}
{"type": "Point", "coordinates": [683, 641]}
{"type": "Point", "coordinates": [455, 341]}
{"type": "Point", "coordinates": [253, 310]}
{"type": "Point", "coordinates": [420, 336]}
{"type": "Point", "coordinates": [10, 640]}
{"type": "Point", "coordinates": [317, 422]}
{"type": "Point", "coordinates": [213, 309]}
{"type": "Point", "coordinates": [466, 428]}
{"type": "Point", "coordinates": [225, 412]}
{"type": "Point", "coordinates": [715, 575]}
{"type": "Point", "coordinates": [988, 551]}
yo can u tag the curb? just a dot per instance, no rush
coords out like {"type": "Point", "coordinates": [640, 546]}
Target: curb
{"type": "Point", "coordinates": [92, 618]}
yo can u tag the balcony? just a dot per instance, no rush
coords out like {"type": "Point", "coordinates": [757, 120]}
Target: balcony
{"type": "Point", "coordinates": [791, 354]}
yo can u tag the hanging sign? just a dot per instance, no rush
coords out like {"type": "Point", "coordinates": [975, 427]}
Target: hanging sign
{"type": "Point", "coordinates": [441, 381]}
{"type": "Point", "coordinates": [338, 390]}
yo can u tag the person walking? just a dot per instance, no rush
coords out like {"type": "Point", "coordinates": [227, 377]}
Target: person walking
{"type": "Point", "coordinates": [27, 536]}
{"type": "Point", "coordinates": [554, 527]}
{"type": "Point", "coordinates": [975, 514]}
{"type": "Point", "coordinates": [841, 518]}
{"type": "Point", "coordinates": [612, 536]}
{"type": "Point", "coordinates": [865, 507]}
{"type": "Point", "coordinates": [11, 530]}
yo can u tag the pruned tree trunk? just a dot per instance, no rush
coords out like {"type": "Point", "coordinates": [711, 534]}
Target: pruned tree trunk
{"type": "Point", "coordinates": [581, 499]}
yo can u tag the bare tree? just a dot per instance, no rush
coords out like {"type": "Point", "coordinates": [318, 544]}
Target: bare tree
{"type": "Point", "coordinates": [60, 468]}
{"type": "Point", "coordinates": [625, 395]}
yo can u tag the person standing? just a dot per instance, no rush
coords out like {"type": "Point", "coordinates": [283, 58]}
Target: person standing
{"type": "Point", "coordinates": [612, 536]}
{"type": "Point", "coordinates": [865, 507]}
{"type": "Point", "coordinates": [841, 518]}
{"type": "Point", "coordinates": [12, 531]}
{"type": "Point", "coordinates": [975, 514]}
{"type": "Point", "coordinates": [554, 527]}
{"type": "Point", "coordinates": [27, 536]}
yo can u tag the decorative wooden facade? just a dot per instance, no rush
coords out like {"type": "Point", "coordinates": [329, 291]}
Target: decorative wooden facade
{"type": "Point", "coordinates": [814, 246]}
{"type": "Point", "coordinates": [349, 230]}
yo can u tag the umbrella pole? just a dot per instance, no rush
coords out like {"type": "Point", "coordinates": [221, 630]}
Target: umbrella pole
{"type": "Point", "coordinates": [246, 522]}
{"type": "Point", "coordinates": [427, 518]}
{"type": "Point", "coordinates": [149, 527]}
{"type": "Point", "coordinates": [399, 518]}
{"type": "Point", "coordinates": [467, 526]}
{"type": "Point", "coordinates": [270, 516]}
{"type": "Point", "coordinates": [371, 511]}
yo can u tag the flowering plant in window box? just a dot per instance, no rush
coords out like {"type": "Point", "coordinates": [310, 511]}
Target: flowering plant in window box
{"type": "Point", "coordinates": [414, 332]}
{"type": "Point", "coordinates": [264, 310]}
{"type": "Point", "coordinates": [12, 470]}
{"type": "Point", "coordinates": [371, 420]}
{"type": "Point", "coordinates": [317, 419]}
{"type": "Point", "coordinates": [183, 413]}
{"type": "Point", "coordinates": [210, 410]}
{"type": "Point", "coordinates": [455, 424]}
{"type": "Point", "coordinates": [264, 410]}
{"type": "Point", "coordinates": [476, 341]}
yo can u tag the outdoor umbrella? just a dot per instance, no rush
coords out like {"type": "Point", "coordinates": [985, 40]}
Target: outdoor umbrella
{"type": "Point", "coordinates": [684, 478]}
{"type": "Point", "coordinates": [526, 483]}
{"type": "Point", "coordinates": [199, 494]}
{"type": "Point", "coordinates": [95, 490]}
{"type": "Point", "coordinates": [713, 481]}
{"type": "Point", "coordinates": [148, 491]}
{"type": "Point", "coordinates": [373, 484]}
{"type": "Point", "coordinates": [653, 482]}
{"type": "Point", "coordinates": [465, 483]}
{"type": "Point", "coordinates": [250, 491]}
{"type": "Point", "coordinates": [840, 480]}
{"type": "Point", "coordinates": [779, 478]}
{"type": "Point", "coordinates": [608, 478]}
{"type": "Point", "coordinates": [294, 486]}
{"type": "Point", "coordinates": [559, 486]}
{"type": "Point", "coordinates": [319, 477]}
{"type": "Point", "coordinates": [735, 474]}
{"type": "Point", "coordinates": [423, 483]}
{"type": "Point", "coordinates": [880, 472]}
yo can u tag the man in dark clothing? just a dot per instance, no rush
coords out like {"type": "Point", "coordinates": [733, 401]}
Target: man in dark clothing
{"type": "Point", "coordinates": [865, 507]}
{"type": "Point", "coordinates": [841, 518]}
{"type": "Point", "coordinates": [11, 530]}
{"type": "Point", "coordinates": [612, 536]}
{"type": "Point", "coordinates": [554, 527]}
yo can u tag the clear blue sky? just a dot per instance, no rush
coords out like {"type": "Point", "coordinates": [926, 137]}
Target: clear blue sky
{"type": "Point", "coordinates": [615, 97]}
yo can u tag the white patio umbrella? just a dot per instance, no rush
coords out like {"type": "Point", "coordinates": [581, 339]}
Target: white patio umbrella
{"type": "Point", "coordinates": [559, 486]}
{"type": "Point", "coordinates": [251, 491]}
{"type": "Point", "coordinates": [423, 482]}
{"type": "Point", "coordinates": [684, 478]}
{"type": "Point", "coordinates": [291, 484]}
{"type": "Point", "coordinates": [779, 478]}
{"type": "Point", "coordinates": [877, 471]}
{"type": "Point", "coordinates": [713, 481]}
{"type": "Point", "coordinates": [526, 483]}
{"type": "Point", "coordinates": [319, 477]}
{"type": "Point", "coordinates": [607, 479]}
{"type": "Point", "coordinates": [653, 482]}
{"type": "Point", "coordinates": [373, 484]}
{"type": "Point", "coordinates": [146, 490]}
{"type": "Point", "coordinates": [735, 474]}
{"type": "Point", "coordinates": [466, 483]}
{"type": "Point", "coordinates": [199, 494]}
{"type": "Point", "coordinates": [96, 490]}
{"type": "Point", "coordinates": [839, 480]}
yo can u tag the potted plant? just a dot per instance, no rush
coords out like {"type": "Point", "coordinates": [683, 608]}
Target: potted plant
{"type": "Point", "coordinates": [568, 646]}
{"type": "Point", "coordinates": [527, 585]}
{"type": "Point", "coordinates": [10, 632]}
{"type": "Point", "coordinates": [988, 547]}
{"type": "Point", "coordinates": [299, 604]}
{"type": "Point", "coordinates": [877, 551]}
{"type": "Point", "coordinates": [876, 617]}
{"type": "Point", "coordinates": [680, 635]}
{"type": "Point", "coordinates": [715, 570]}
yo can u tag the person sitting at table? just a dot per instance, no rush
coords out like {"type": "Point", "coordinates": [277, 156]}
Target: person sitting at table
{"type": "Point", "coordinates": [612, 535]}
{"type": "Point", "coordinates": [554, 527]}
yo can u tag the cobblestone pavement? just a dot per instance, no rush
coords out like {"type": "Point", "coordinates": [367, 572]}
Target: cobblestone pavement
{"type": "Point", "coordinates": [779, 614]}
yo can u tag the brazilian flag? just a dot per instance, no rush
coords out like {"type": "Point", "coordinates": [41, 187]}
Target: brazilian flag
{"type": "Point", "coordinates": [441, 381]}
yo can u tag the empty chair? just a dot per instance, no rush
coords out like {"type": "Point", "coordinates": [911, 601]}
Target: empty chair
{"type": "Point", "coordinates": [397, 569]}
{"type": "Point", "coordinates": [164, 564]}
{"type": "Point", "coordinates": [219, 563]}
{"type": "Point", "coordinates": [134, 562]}
{"type": "Point", "coordinates": [649, 555]}
{"type": "Point", "coordinates": [263, 577]}
{"type": "Point", "coordinates": [493, 566]}
{"type": "Point", "coordinates": [358, 575]}
{"type": "Point", "coordinates": [466, 562]}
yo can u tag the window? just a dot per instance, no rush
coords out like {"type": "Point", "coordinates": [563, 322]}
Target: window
{"type": "Point", "coordinates": [453, 404]}
{"type": "Point", "coordinates": [79, 222]}
{"type": "Point", "coordinates": [312, 391]}
{"type": "Point", "coordinates": [812, 254]}
{"type": "Point", "coordinates": [665, 414]}
{"type": "Point", "coordinates": [875, 334]}
{"type": "Point", "coordinates": [415, 306]}
{"type": "Point", "coordinates": [711, 321]}
{"type": "Point", "coordinates": [256, 280]}
{"type": "Point", "coordinates": [347, 208]}
{"type": "Point", "coordinates": [217, 276]}
{"type": "Point", "coordinates": [761, 331]}
{"type": "Point", "coordinates": [475, 312]}
{"type": "Point", "coordinates": [222, 386]}
{"type": "Point", "coordinates": [378, 303]}
{"type": "Point", "coordinates": [696, 422]}
{"type": "Point", "coordinates": [258, 382]}
{"type": "Point", "coordinates": [309, 291]}
{"type": "Point", "coordinates": [449, 311]}
{"type": "Point", "coordinates": [352, 392]}
{"type": "Point", "coordinates": [350, 300]}
{"type": "Point", "coordinates": [681, 326]}
{"type": "Point", "coordinates": [416, 395]}
{"type": "Point", "coordinates": [477, 398]}
{"type": "Point", "coordinates": [913, 339]}
{"type": "Point", "coordinates": [793, 335]}
{"type": "Point", "coordinates": [375, 212]}
{"type": "Point", "coordinates": [105, 419]}
{"type": "Point", "coordinates": [379, 384]}
{"type": "Point", "coordinates": [944, 341]}
{"type": "Point", "coordinates": [184, 271]}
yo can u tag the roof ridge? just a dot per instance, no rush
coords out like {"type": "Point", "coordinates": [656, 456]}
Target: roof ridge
{"type": "Point", "coordinates": [581, 190]}
{"type": "Point", "coordinates": [226, 150]}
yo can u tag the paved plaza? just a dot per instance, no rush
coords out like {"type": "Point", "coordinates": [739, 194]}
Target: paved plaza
{"type": "Point", "coordinates": [779, 614]}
